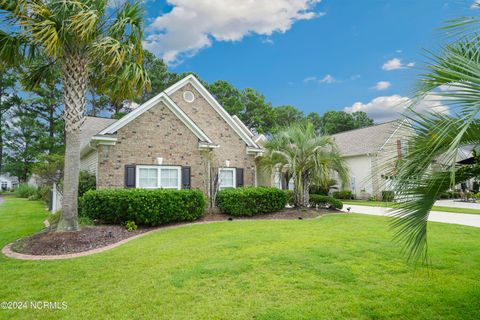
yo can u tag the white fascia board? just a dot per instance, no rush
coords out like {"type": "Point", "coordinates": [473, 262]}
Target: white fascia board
{"type": "Point", "coordinates": [102, 139]}
{"type": "Point", "coordinates": [203, 145]}
{"type": "Point", "coordinates": [96, 140]}
{"type": "Point", "coordinates": [251, 150]}
{"type": "Point", "coordinates": [242, 125]}
{"type": "Point", "coordinates": [162, 97]}
{"type": "Point", "coordinates": [214, 103]}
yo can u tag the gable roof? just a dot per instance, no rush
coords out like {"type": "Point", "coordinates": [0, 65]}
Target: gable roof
{"type": "Point", "coordinates": [190, 79]}
{"type": "Point", "coordinates": [172, 106]}
{"type": "Point", "coordinates": [91, 126]}
{"type": "Point", "coordinates": [365, 140]}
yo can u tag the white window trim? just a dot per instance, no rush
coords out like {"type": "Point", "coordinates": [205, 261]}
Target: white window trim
{"type": "Point", "coordinates": [234, 170]}
{"type": "Point", "coordinates": [158, 168]}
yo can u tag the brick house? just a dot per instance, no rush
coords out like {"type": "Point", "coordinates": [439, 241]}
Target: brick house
{"type": "Point", "coordinates": [182, 138]}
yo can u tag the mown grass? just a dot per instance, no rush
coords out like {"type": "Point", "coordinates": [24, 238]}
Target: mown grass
{"type": "Point", "coordinates": [392, 204]}
{"type": "Point", "coordinates": [338, 266]}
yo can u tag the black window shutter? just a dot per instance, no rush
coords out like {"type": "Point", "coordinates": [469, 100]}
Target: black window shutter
{"type": "Point", "coordinates": [186, 178]}
{"type": "Point", "coordinates": [239, 178]}
{"type": "Point", "coordinates": [130, 176]}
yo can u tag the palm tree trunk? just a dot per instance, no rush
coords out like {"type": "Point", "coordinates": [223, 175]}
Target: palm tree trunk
{"type": "Point", "coordinates": [301, 191]}
{"type": "Point", "coordinates": [74, 91]}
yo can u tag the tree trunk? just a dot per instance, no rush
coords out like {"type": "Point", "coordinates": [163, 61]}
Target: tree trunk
{"type": "Point", "coordinates": [74, 91]}
{"type": "Point", "coordinates": [301, 191]}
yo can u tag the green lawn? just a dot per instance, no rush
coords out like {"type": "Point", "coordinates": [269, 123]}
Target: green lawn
{"type": "Point", "coordinates": [391, 204]}
{"type": "Point", "coordinates": [338, 266]}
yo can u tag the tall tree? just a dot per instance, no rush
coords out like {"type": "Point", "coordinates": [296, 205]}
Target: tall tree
{"type": "Point", "coordinates": [23, 144]}
{"type": "Point", "coordinates": [258, 113]}
{"type": "Point", "coordinates": [228, 96]}
{"type": "Point", "coordinates": [309, 158]}
{"type": "Point", "coordinates": [339, 121]}
{"type": "Point", "coordinates": [286, 116]}
{"type": "Point", "coordinates": [78, 36]}
{"type": "Point", "coordinates": [160, 77]}
{"type": "Point", "coordinates": [316, 121]}
{"type": "Point", "coordinates": [8, 99]}
{"type": "Point", "coordinates": [47, 105]}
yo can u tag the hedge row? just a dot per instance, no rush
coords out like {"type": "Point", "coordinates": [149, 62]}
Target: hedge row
{"type": "Point", "coordinates": [249, 201]}
{"type": "Point", "coordinates": [325, 201]}
{"type": "Point", "coordinates": [144, 207]}
{"type": "Point", "coordinates": [344, 194]}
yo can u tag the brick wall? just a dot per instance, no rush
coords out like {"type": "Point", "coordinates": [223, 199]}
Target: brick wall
{"type": "Point", "coordinates": [232, 147]}
{"type": "Point", "coordinates": [159, 133]}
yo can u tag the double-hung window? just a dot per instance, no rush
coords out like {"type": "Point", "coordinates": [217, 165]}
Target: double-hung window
{"type": "Point", "coordinates": [226, 178]}
{"type": "Point", "coordinates": [154, 177]}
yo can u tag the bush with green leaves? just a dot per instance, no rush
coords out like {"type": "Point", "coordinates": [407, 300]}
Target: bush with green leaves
{"type": "Point", "coordinates": [388, 195]}
{"type": "Point", "coordinates": [130, 226]}
{"type": "Point", "coordinates": [25, 191]}
{"type": "Point", "coordinates": [325, 201]}
{"type": "Point", "coordinates": [344, 194]}
{"type": "Point", "coordinates": [144, 207]}
{"type": "Point", "coordinates": [290, 197]}
{"type": "Point", "coordinates": [86, 182]}
{"type": "Point", "coordinates": [249, 201]}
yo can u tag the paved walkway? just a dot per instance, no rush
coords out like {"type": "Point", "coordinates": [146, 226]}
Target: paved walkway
{"type": "Point", "coordinates": [458, 204]}
{"type": "Point", "coordinates": [472, 220]}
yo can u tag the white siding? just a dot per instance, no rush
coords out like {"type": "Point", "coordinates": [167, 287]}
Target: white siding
{"type": "Point", "coordinates": [360, 174]}
{"type": "Point", "coordinates": [89, 162]}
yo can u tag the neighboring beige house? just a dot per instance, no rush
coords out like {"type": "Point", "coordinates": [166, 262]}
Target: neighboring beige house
{"type": "Point", "coordinates": [180, 139]}
{"type": "Point", "coordinates": [371, 154]}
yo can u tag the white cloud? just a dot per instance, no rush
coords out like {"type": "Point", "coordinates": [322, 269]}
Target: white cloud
{"type": "Point", "coordinates": [395, 64]}
{"type": "Point", "coordinates": [193, 25]}
{"type": "Point", "coordinates": [310, 79]}
{"type": "Point", "coordinates": [328, 79]}
{"type": "Point", "coordinates": [387, 108]}
{"type": "Point", "coordinates": [268, 40]}
{"type": "Point", "coordinates": [355, 77]}
{"type": "Point", "coordinates": [475, 4]}
{"type": "Point", "coordinates": [382, 85]}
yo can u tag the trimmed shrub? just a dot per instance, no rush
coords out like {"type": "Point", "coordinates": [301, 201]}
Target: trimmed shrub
{"type": "Point", "coordinates": [249, 201]}
{"type": "Point", "coordinates": [144, 207]}
{"type": "Point", "coordinates": [290, 196]}
{"type": "Point", "coordinates": [445, 195]}
{"type": "Point", "coordinates": [325, 201]}
{"type": "Point", "coordinates": [388, 195]}
{"type": "Point", "coordinates": [87, 181]}
{"type": "Point", "coordinates": [344, 194]}
{"type": "Point", "coordinates": [25, 191]}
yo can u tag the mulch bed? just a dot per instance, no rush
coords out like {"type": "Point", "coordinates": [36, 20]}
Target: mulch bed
{"type": "Point", "coordinates": [50, 242]}
{"type": "Point", "coordinates": [287, 213]}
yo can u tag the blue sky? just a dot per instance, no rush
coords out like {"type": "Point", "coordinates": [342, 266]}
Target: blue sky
{"type": "Point", "coordinates": [316, 55]}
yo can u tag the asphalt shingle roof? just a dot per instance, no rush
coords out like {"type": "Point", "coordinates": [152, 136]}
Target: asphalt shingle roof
{"type": "Point", "coordinates": [91, 127]}
{"type": "Point", "coordinates": [364, 140]}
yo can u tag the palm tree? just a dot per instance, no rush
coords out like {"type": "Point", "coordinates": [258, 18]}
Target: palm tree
{"type": "Point", "coordinates": [309, 158]}
{"type": "Point", "coordinates": [431, 166]}
{"type": "Point", "coordinates": [78, 36]}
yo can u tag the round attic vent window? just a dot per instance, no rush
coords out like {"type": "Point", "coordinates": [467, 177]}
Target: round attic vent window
{"type": "Point", "coordinates": [188, 96]}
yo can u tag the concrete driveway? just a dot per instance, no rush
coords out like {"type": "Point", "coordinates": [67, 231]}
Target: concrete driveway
{"type": "Point", "coordinates": [472, 220]}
